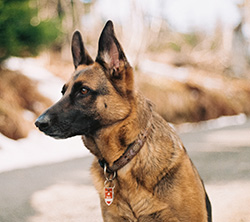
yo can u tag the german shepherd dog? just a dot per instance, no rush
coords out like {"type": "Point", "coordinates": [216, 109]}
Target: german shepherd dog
{"type": "Point", "coordinates": [141, 171]}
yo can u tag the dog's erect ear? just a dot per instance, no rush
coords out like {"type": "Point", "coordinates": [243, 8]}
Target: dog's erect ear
{"type": "Point", "coordinates": [79, 53]}
{"type": "Point", "coordinates": [112, 58]}
{"type": "Point", "coordinates": [110, 51]}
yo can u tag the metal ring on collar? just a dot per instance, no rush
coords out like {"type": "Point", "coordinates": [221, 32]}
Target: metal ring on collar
{"type": "Point", "coordinates": [108, 177]}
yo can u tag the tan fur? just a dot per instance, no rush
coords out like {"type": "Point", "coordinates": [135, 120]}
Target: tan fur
{"type": "Point", "coordinates": [140, 189]}
{"type": "Point", "coordinates": [160, 184]}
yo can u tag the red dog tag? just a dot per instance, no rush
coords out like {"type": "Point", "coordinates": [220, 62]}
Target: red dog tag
{"type": "Point", "coordinates": [109, 195]}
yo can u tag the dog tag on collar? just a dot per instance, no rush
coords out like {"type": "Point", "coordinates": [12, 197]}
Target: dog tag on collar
{"type": "Point", "coordinates": [108, 188]}
{"type": "Point", "coordinates": [109, 195]}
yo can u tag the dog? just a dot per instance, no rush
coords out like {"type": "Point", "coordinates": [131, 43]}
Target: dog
{"type": "Point", "coordinates": [141, 169]}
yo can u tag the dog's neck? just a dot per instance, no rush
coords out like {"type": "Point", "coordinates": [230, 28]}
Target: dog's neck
{"type": "Point", "coordinates": [110, 143]}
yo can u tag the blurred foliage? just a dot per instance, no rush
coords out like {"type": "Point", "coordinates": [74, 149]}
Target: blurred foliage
{"type": "Point", "coordinates": [191, 39]}
{"type": "Point", "coordinates": [174, 46]}
{"type": "Point", "coordinates": [21, 31]}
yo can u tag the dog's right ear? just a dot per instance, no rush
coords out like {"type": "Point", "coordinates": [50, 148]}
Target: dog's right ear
{"type": "Point", "coordinates": [79, 53]}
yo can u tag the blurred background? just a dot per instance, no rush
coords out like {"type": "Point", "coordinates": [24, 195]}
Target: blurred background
{"type": "Point", "coordinates": [190, 57]}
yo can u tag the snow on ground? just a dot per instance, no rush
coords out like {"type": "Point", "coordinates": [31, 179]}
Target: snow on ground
{"type": "Point", "coordinates": [38, 149]}
{"type": "Point", "coordinates": [218, 123]}
{"type": "Point", "coordinates": [153, 68]}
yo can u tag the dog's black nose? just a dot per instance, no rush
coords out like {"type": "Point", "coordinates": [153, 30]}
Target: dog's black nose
{"type": "Point", "coordinates": [43, 122]}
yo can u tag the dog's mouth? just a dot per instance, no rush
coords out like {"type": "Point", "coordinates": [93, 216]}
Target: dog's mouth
{"type": "Point", "coordinates": [66, 128]}
{"type": "Point", "coordinates": [56, 135]}
{"type": "Point", "coordinates": [53, 133]}
{"type": "Point", "coordinates": [49, 127]}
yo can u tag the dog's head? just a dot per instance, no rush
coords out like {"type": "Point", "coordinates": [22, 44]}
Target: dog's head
{"type": "Point", "coordinates": [98, 94]}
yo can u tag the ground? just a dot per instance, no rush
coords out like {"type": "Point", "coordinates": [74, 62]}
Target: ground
{"type": "Point", "coordinates": [63, 191]}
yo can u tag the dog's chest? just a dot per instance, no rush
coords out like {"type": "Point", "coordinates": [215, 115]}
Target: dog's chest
{"type": "Point", "coordinates": [132, 201]}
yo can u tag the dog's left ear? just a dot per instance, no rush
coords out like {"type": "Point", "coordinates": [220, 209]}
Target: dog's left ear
{"type": "Point", "coordinates": [110, 52]}
{"type": "Point", "coordinates": [79, 53]}
{"type": "Point", "coordinates": [112, 58]}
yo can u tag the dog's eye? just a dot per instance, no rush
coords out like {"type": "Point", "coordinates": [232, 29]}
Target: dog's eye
{"type": "Point", "coordinates": [84, 91]}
